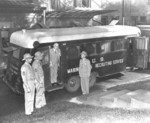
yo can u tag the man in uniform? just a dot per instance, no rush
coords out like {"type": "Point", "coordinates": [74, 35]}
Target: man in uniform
{"type": "Point", "coordinates": [28, 78]}
{"type": "Point", "coordinates": [40, 100]}
{"type": "Point", "coordinates": [54, 62]}
{"type": "Point", "coordinates": [84, 72]}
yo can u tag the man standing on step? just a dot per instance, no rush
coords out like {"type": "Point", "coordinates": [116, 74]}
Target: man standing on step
{"type": "Point", "coordinates": [40, 100]}
{"type": "Point", "coordinates": [28, 78]}
{"type": "Point", "coordinates": [54, 63]}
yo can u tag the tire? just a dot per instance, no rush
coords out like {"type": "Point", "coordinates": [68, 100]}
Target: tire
{"type": "Point", "coordinates": [73, 84]}
{"type": "Point", "coordinates": [92, 79]}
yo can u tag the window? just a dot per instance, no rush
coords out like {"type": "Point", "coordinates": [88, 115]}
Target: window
{"type": "Point", "coordinates": [118, 44]}
{"type": "Point", "coordinates": [134, 20]}
{"type": "Point", "coordinates": [143, 18]}
{"type": "Point", "coordinates": [105, 47]}
{"type": "Point", "coordinates": [90, 49]}
{"type": "Point", "coordinates": [82, 3]}
{"type": "Point", "coordinates": [45, 59]}
{"type": "Point", "coordinates": [73, 52]}
{"type": "Point", "coordinates": [16, 53]}
{"type": "Point", "coordinates": [5, 38]}
{"type": "Point", "coordinates": [104, 20]}
{"type": "Point", "coordinates": [85, 3]}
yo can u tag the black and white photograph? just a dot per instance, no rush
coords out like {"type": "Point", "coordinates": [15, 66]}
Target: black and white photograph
{"type": "Point", "coordinates": [74, 61]}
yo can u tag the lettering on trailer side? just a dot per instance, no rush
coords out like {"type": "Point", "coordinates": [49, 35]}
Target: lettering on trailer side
{"type": "Point", "coordinates": [108, 63]}
{"type": "Point", "coordinates": [98, 65]}
{"type": "Point", "coordinates": [73, 70]}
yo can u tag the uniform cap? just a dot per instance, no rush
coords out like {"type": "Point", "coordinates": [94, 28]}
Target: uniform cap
{"type": "Point", "coordinates": [38, 55]}
{"type": "Point", "coordinates": [27, 56]}
{"type": "Point", "coordinates": [83, 52]}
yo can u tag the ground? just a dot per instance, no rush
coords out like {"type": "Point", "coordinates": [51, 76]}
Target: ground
{"type": "Point", "coordinates": [59, 110]}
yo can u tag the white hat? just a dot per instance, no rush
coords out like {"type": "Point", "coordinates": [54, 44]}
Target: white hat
{"type": "Point", "coordinates": [27, 56]}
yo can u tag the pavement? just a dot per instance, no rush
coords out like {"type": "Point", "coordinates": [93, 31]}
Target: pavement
{"type": "Point", "coordinates": [127, 78]}
{"type": "Point", "coordinates": [126, 99]}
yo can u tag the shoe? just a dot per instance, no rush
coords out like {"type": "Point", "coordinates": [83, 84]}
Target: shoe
{"type": "Point", "coordinates": [54, 84]}
{"type": "Point", "coordinates": [38, 107]}
{"type": "Point", "coordinates": [28, 114]}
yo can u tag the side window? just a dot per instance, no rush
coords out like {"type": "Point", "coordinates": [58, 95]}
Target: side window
{"type": "Point", "coordinates": [45, 59]}
{"type": "Point", "coordinates": [16, 53]}
{"type": "Point", "coordinates": [5, 38]}
{"type": "Point", "coordinates": [119, 44]}
{"type": "Point", "coordinates": [72, 52]}
{"type": "Point", "coordinates": [90, 48]}
{"type": "Point", "coordinates": [98, 47]}
{"type": "Point", "coordinates": [105, 47]}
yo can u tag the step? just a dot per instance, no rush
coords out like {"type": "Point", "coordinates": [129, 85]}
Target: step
{"type": "Point", "coordinates": [141, 101]}
{"type": "Point", "coordinates": [124, 101]}
{"type": "Point", "coordinates": [136, 92]}
{"type": "Point", "coordinates": [92, 98]}
{"type": "Point", "coordinates": [97, 94]}
{"type": "Point", "coordinates": [110, 99]}
{"type": "Point", "coordinates": [115, 94]}
{"type": "Point", "coordinates": [53, 88]}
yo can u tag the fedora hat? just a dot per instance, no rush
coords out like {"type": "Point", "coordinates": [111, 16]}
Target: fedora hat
{"type": "Point", "coordinates": [27, 56]}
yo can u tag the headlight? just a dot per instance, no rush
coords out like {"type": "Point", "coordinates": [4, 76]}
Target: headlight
{"type": "Point", "coordinates": [3, 65]}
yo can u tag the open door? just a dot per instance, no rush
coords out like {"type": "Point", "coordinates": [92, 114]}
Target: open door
{"type": "Point", "coordinates": [141, 48]}
{"type": "Point", "coordinates": [46, 69]}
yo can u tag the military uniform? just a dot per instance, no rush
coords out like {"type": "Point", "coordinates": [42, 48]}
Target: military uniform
{"type": "Point", "coordinates": [40, 89]}
{"type": "Point", "coordinates": [54, 64]}
{"type": "Point", "coordinates": [84, 73]}
{"type": "Point", "coordinates": [28, 78]}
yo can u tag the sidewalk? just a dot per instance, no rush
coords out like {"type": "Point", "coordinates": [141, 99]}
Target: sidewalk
{"type": "Point", "coordinates": [128, 77]}
{"type": "Point", "coordinates": [138, 99]}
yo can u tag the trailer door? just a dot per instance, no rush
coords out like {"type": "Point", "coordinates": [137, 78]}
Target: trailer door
{"type": "Point", "coordinates": [46, 68]}
{"type": "Point", "coordinates": [141, 47]}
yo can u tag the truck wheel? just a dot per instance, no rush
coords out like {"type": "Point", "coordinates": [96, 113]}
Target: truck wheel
{"type": "Point", "coordinates": [73, 84]}
{"type": "Point", "coordinates": [92, 79]}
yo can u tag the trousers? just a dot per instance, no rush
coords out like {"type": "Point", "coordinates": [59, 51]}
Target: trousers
{"type": "Point", "coordinates": [29, 100]}
{"type": "Point", "coordinates": [54, 73]}
{"type": "Point", "coordinates": [40, 100]}
{"type": "Point", "coordinates": [85, 85]}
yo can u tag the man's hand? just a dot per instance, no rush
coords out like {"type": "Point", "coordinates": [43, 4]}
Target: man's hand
{"type": "Point", "coordinates": [28, 90]}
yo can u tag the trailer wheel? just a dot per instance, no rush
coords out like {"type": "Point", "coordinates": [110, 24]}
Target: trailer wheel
{"type": "Point", "coordinates": [73, 84]}
{"type": "Point", "coordinates": [92, 79]}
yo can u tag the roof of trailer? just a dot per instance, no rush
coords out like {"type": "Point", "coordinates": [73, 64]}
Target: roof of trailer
{"type": "Point", "coordinates": [26, 38]}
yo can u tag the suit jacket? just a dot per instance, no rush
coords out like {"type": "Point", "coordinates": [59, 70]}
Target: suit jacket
{"type": "Point", "coordinates": [28, 75]}
{"type": "Point", "coordinates": [55, 56]}
{"type": "Point", "coordinates": [38, 70]}
{"type": "Point", "coordinates": [84, 68]}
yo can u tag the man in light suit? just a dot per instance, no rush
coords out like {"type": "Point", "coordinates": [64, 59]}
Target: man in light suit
{"type": "Point", "coordinates": [28, 78]}
{"type": "Point", "coordinates": [40, 100]}
{"type": "Point", "coordinates": [54, 63]}
{"type": "Point", "coordinates": [84, 72]}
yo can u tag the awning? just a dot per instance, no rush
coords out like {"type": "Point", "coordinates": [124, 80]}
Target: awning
{"type": "Point", "coordinates": [76, 13]}
{"type": "Point", "coordinates": [18, 6]}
